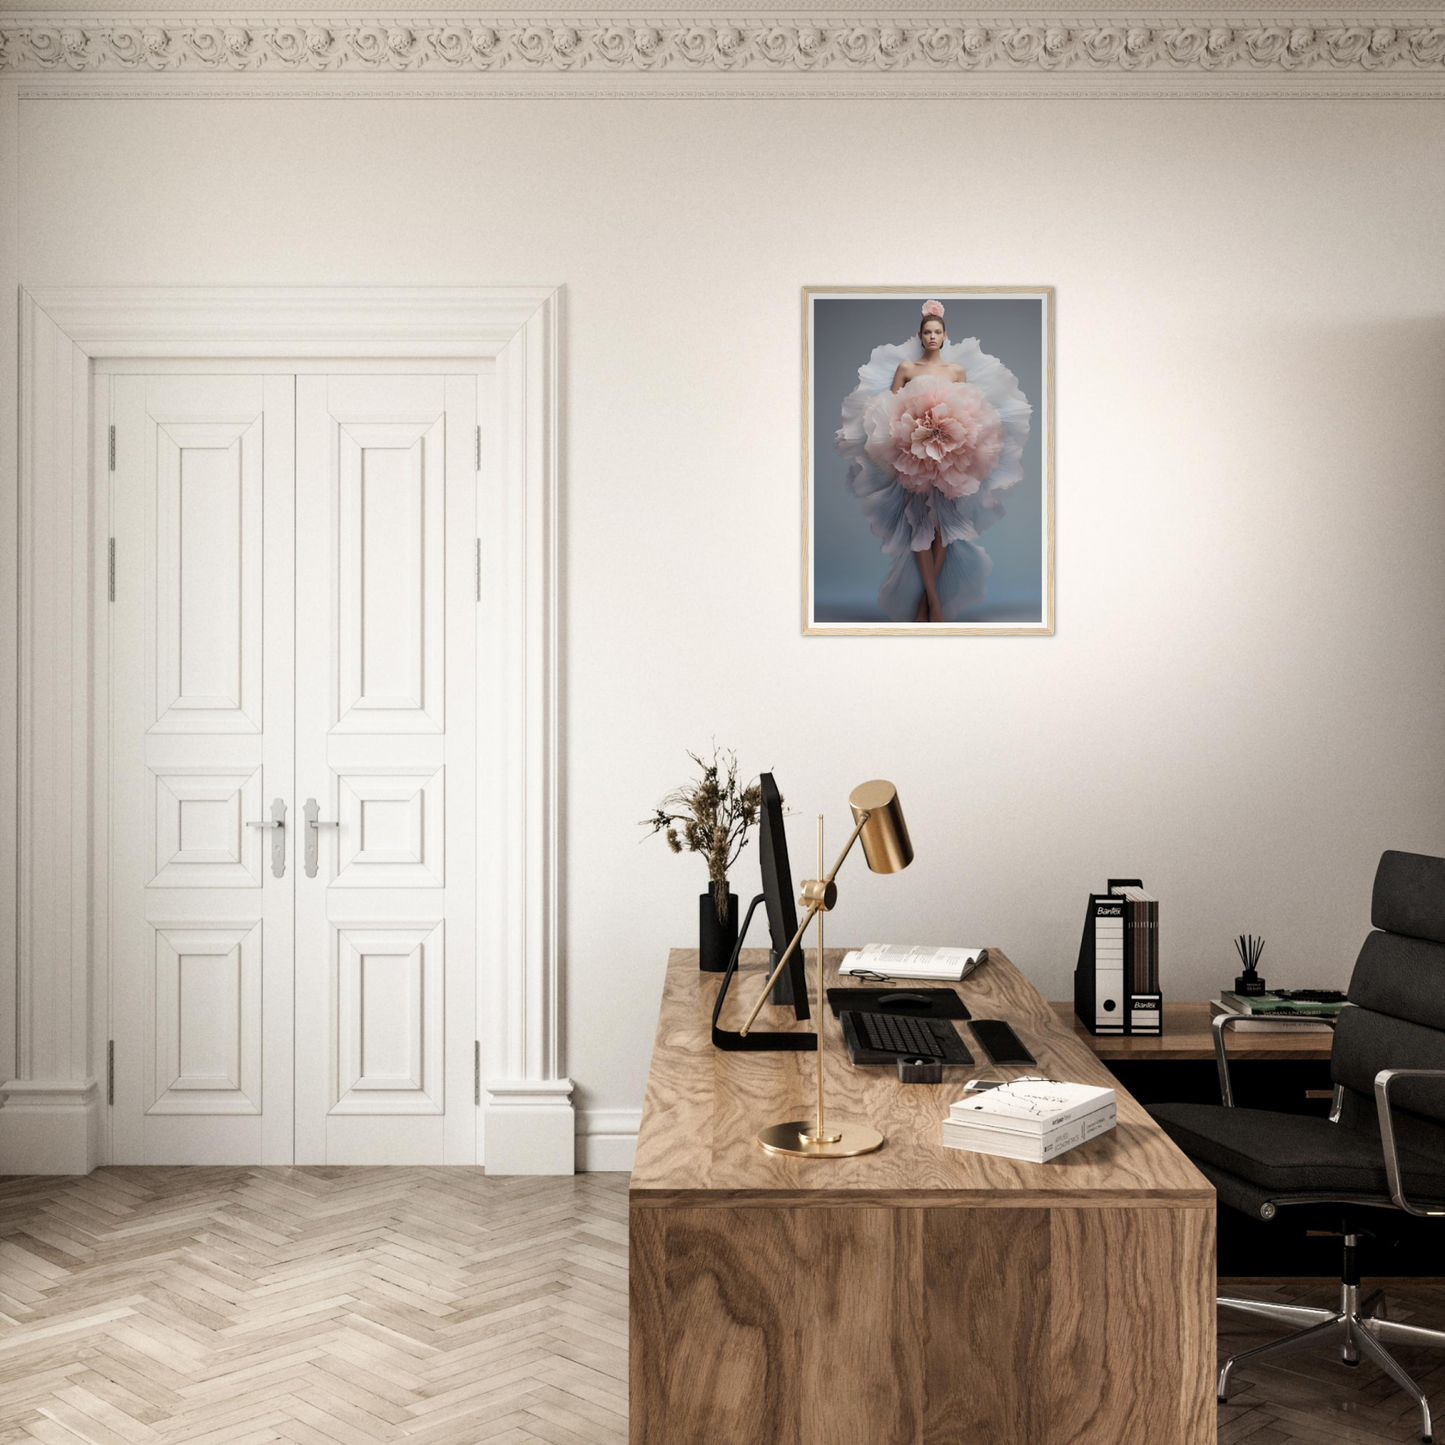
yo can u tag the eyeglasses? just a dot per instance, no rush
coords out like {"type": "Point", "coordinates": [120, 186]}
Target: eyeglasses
{"type": "Point", "coordinates": [870, 976]}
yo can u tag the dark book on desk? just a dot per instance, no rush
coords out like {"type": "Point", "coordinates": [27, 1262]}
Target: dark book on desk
{"type": "Point", "coordinates": [1116, 983]}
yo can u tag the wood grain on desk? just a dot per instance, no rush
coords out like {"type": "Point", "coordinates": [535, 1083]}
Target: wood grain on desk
{"type": "Point", "coordinates": [704, 1108]}
{"type": "Point", "coordinates": [1188, 1036]}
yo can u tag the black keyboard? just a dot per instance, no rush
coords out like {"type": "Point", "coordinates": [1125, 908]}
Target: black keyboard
{"type": "Point", "coordinates": [902, 1037]}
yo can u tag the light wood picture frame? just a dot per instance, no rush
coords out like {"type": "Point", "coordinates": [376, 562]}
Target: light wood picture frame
{"type": "Point", "coordinates": [912, 458]}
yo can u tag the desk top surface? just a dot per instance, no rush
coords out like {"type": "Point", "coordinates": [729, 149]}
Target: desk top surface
{"type": "Point", "coordinates": [705, 1106]}
{"type": "Point", "coordinates": [1187, 1035]}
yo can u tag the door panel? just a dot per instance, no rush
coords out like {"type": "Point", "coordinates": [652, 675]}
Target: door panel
{"type": "Point", "coordinates": [207, 1054]}
{"type": "Point", "coordinates": [389, 995]}
{"type": "Point", "coordinates": [390, 574]}
{"type": "Point", "coordinates": [392, 828]}
{"type": "Point", "coordinates": [201, 743]}
{"type": "Point", "coordinates": [209, 561]}
{"type": "Point", "coordinates": [197, 828]}
{"type": "Point", "coordinates": [385, 675]}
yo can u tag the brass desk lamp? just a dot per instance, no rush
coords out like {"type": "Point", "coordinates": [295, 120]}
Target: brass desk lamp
{"type": "Point", "coordinates": [878, 821]}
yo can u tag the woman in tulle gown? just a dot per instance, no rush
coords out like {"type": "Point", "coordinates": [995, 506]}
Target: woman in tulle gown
{"type": "Point", "coordinates": [934, 433]}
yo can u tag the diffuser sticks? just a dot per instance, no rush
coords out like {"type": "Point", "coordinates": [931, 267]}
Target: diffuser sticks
{"type": "Point", "coordinates": [1249, 948]}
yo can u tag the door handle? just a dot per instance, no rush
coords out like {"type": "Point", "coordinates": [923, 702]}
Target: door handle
{"type": "Point", "coordinates": [278, 841]}
{"type": "Point", "coordinates": [314, 825]}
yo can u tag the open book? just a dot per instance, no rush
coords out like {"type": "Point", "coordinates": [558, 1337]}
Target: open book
{"type": "Point", "coordinates": [902, 960]}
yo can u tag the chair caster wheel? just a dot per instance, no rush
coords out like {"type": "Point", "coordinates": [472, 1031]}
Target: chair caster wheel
{"type": "Point", "coordinates": [1353, 1364]}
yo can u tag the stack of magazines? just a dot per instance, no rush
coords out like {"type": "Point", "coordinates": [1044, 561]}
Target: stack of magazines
{"type": "Point", "coordinates": [1141, 940]}
{"type": "Point", "coordinates": [1032, 1119]}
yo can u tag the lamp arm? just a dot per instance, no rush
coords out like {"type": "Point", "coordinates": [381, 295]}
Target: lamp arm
{"type": "Point", "coordinates": [848, 847]}
{"type": "Point", "coordinates": [773, 977]}
{"type": "Point", "coordinates": [813, 910]}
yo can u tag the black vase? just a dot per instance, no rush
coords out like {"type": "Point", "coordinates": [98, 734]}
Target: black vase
{"type": "Point", "coordinates": [716, 941]}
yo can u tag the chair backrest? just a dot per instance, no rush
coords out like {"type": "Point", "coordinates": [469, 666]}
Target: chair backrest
{"type": "Point", "coordinates": [1398, 993]}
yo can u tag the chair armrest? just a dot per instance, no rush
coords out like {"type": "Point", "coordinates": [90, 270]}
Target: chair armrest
{"type": "Point", "coordinates": [1383, 1080]}
{"type": "Point", "coordinates": [1223, 1021]}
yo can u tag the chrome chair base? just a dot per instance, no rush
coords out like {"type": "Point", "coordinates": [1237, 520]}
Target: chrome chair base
{"type": "Point", "coordinates": [1359, 1327]}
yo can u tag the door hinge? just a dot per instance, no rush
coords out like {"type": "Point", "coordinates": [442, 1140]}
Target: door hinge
{"type": "Point", "coordinates": [479, 446]}
{"type": "Point", "coordinates": [110, 569]}
{"type": "Point", "coordinates": [110, 1072]}
{"type": "Point", "coordinates": [112, 448]}
{"type": "Point", "coordinates": [477, 1072]}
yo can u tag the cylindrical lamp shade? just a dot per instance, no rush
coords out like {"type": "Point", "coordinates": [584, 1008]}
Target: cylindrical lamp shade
{"type": "Point", "coordinates": [885, 840]}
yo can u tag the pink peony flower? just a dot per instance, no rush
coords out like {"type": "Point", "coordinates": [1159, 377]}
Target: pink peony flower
{"type": "Point", "coordinates": [933, 308]}
{"type": "Point", "coordinates": [936, 433]}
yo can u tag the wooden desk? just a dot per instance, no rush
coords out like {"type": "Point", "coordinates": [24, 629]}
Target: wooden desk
{"type": "Point", "coordinates": [919, 1295]}
{"type": "Point", "coordinates": [1188, 1036]}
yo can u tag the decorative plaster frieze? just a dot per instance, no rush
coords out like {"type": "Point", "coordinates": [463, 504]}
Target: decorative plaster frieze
{"type": "Point", "coordinates": [930, 46]}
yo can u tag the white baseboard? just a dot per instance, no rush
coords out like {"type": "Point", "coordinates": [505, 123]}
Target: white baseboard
{"type": "Point", "coordinates": [530, 1127]}
{"type": "Point", "coordinates": [607, 1139]}
{"type": "Point", "coordinates": [49, 1126]}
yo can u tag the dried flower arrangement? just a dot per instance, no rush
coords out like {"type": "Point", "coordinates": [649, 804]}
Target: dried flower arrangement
{"type": "Point", "coordinates": [710, 816]}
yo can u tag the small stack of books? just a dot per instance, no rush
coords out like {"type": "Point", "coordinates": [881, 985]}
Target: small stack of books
{"type": "Point", "coordinates": [1264, 1012]}
{"type": "Point", "coordinates": [1031, 1119]}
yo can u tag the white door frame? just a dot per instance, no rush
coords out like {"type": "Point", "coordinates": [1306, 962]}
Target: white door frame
{"type": "Point", "coordinates": [54, 991]}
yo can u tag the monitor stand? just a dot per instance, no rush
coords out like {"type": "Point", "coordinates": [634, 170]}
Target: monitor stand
{"type": "Point", "coordinates": [757, 1040]}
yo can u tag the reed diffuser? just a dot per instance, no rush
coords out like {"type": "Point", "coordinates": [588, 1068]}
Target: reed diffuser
{"type": "Point", "coordinates": [1249, 948]}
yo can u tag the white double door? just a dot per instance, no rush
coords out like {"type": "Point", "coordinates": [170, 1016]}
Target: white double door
{"type": "Point", "coordinates": [292, 642]}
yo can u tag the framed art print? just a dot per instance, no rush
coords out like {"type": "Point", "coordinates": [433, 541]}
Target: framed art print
{"type": "Point", "coordinates": [928, 460]}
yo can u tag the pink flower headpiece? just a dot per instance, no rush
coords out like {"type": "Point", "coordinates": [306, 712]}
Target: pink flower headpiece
{"type": "Point", "coordinates": [933, 308]}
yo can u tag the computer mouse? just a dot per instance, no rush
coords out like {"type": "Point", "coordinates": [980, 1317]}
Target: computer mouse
{"type": "Point", "coordinates": [902, 999]}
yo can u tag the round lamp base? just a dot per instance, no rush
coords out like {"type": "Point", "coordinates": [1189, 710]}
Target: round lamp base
{"type": "Point", "coordinates": [794, 1137]}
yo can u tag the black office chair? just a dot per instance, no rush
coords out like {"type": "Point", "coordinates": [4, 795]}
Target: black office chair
{"type": "Point", "coordinates": [1383, 1146]}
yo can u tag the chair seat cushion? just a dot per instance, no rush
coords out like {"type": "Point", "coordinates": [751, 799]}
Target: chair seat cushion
{"type": "Point", "coordinates": [1292, 1153]}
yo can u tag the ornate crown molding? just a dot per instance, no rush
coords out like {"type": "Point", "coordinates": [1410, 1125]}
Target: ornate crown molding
{"type": "Point", "coordinates": [933, 46]}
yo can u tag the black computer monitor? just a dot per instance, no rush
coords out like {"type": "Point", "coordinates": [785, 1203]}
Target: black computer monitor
{"type": "Point", "coordinates": [777, 897]}
{"type": "Point", "coordinates": [791, 987]}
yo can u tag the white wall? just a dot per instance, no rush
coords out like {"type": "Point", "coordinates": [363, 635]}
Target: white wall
{"type": "Point", "coordinates": [1243, 700]}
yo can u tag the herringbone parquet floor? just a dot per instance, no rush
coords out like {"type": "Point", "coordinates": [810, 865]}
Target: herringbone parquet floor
{"type": "Point", "coordinates": [429, 1307]}
{"type": "Point", "coordinates": [318, 1306]}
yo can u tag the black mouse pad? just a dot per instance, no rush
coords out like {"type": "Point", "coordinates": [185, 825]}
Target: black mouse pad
{"type": "Point", "coordinates": [915, 1003]}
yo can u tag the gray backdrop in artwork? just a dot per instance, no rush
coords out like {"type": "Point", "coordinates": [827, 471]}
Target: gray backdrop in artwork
{"type": "Point", "coordinates": [848, 561]}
